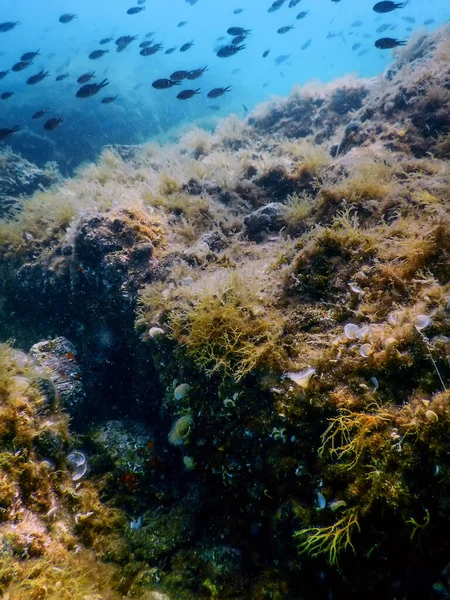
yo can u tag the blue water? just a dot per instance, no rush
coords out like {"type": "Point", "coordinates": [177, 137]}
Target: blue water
{"type": "Point", "coordinates": [141, 112]}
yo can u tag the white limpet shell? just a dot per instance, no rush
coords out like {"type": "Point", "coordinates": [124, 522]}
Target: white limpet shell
{"type": "Point", "coordinates": [351, 331]}
{"type": "Point", "coordinates": [396, 317]}
{"type": "Point", "coordinates": [301, 378]}
{"type": "Point", "coordinates": [422, 322]}
{"type": "Point", "coordinates": [366, 350]}
{"type": "Point", "coordinates": [181, 391]}
{"type": "Point", "coordinates": [364, 332]}
{"type": "Point", "coordinates": [355, 288]}
{"type": "Point", "coordinates": [155, 332]}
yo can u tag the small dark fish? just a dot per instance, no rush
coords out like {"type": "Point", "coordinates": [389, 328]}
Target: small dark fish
{"type": "Point", "coordinates": [170, 50]}
{"type": "Point", "coordinates": [196, 73]}
{"type": "Point", "coordinates": [264, 85]}
{"type": "Point", "coordinates": [214, 107]}
{"type": "Point", "coordinates": [236, 71]}
{"type": "Point", "coordinates": [53, 123]}
{"type": "Point", "coordinates": [280, 59]}
{"type": "Point", "coordinates": [181, 23]}
{"type": "Point", "coordinates": [124, 41]}
{"type": "Point", "coordinates": [293, 3]}
{"type": "Point", "coordinates": [356, 24]}
{"type": "Point", "coordinates": [382, 28]}
{"type": "Point", "coordinates": [307, 44]}
{"type": "Point", "coordinates": [429, 22]}
{"type": "Point", "coordinates": [285, 29]}
{"type": "Point", "coordinates": [356, 46]}
{"type": "Point", "coordinates": [6, 95]}
{"type": "Point", "coordinates": [238, 31]}
{"type": "Point", "coordinates": [5, 132]}
{"type": "Point", "coordinates": [140, 2]}
{"type": "Point", "coordinates": [164, 84]}
{"type": "Point", "coordinates": [186, 94]}
{"type": "Point", "coordinates": [145, 44]}
{"type": "Point", "coordinates": [191, 2]}
{"type": "Point", "coordinates": [387, 43]}
{"type": "Point", "coordinates": [302, 15]}
{"type": "Point", "coordinates": [96, 54]}
{"type": "Point", "coordinates": [266, 53]}
{"type": "Point", "coordinates": [366, 36]}
{"type": "Point", "coordinates": [409, 20]}
{"type": "Point", "coordinates": [179, 75]}
{"type": "Point", "coordinates": [245, 109]}
{"type": "Point", "coordinates": [62, 77]}
{"type": "Point", "coordinates": [150, 50]}
{"type": "Point", "coordinates": [134, 10]}
{"type": "Point", "coordinates": [238, 11]}
{"type": "Point", "coordinates": [40, 113]}
{"type": "Point", "coordinates": [365, 51]}
{"type": "Point", "coordinates": [37, 78]}
{"type": "Point", "coordinates": [220, 38]}
{"type": "Point", "coordinates": [149, 34]}
{"type": "Point", "coordinates": [3, 74]}
{"type": "Point", "coordinates": [66, 18]}
{"type": "Point", "coordinates": [20, 66]}
{"type": "Point", "coordinates": [409, 29]}
{"type": "Point", "coordinates": [217, 92]}
{"type": "Point", "coordinates": [109, 99]}
{"type": "Point", "coordinates": [86, 77]}
{"type": "Point", "coordinates": [230, 50]}
{"type": "Point", "coordinates": [276, 5]}
{"type": "Point", "coordinates": [238, 40]}
{"type": "Point", "coordinates": [104, 41]}
{"type": "Point", "coordinates": [387, 6]}
{"type": "Point", "coordinates": [29, 56]}
{"type": "Point", "coordinates": [91, 89]}
{"type": "Point", "coordinates": [8, 25]}
{"type": "Point", "coordinates": [186, 46]}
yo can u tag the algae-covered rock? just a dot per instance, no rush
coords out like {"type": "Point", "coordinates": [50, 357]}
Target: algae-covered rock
{"type": "Point", "coordinates": [58, 359]}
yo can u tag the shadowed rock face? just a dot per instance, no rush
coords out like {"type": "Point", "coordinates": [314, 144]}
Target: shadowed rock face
{"type": "Point", "coordinates": [18, 177]}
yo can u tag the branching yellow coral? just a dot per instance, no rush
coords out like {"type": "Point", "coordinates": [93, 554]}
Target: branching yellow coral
{"type": "Point", "coordinates": [330, 540]}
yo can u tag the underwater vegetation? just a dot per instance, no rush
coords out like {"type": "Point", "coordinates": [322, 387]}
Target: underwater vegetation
{"type": "Point", "coordinates": [259, 318]}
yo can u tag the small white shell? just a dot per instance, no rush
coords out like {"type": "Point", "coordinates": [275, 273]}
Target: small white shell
{"type": "Point", "coordinates": [364, 332]}
{"type": "Point", "coordinates": [366, 350]}
{"type": "Point", "coordinates": [355, 288]}
{"type": "Point", "coordinates": [422, 322]}
{"type": "Point", "coordinates": [396, 317]}
{"type": "Point", "coordinates": [321, 500]}
{"type": "Point", "coordinates": [155, 332]}
{"type": "Point", "coordinates": [301, 378]}
{"type": "Point", "coordinates": [351, 331]}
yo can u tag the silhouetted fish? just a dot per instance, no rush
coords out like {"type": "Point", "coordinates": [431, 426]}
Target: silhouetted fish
{"type": "Point", "coordinates": [6, 95]}
{"type": "Point", "coordinates": [387, 6]}
{"type": "Point", "coordinates": [179, 75]}
{"type": "Point", "coordinates": [124, 41]}
{"type": "Point", "coordinates": [280, 59]}
{"type": "Point", "coordinates": [181, 23]}
{"type": "Point", "coordinates": [238, 31]}
{"type": "Point", "coordinates": [196, 73]}
{"type": "Point", "coordinates": [37, 78]}
{"type": "Point", "coordinates": [293, 3]}
{"type": "Point", "coordinates": [276, 5]}
{"type": "Point", "coordinates": [20, 66]}
{"type": "Point", "coordinates": [85, 77]}
{"type": "Point", "coordinates": [3, 74]}
{"type": "Point", "coordinates": [29, 56]}
{"type": "Point", "coordinates": [8, 25]}
{"type": "Point", "coordinates": [150, 50]}
{"type": "Point", "coordinates": [164, 84]}
{"type": "Point", "coordinates": [217, 92]}
{"type": "Point", "coordinates": [302, 15]}
{"type": "Point", "coordinates": [186, 46]}
{"type": "Point", "coordinates": [285, 29]}
{"type": "Point", "coordinates": [96, 54]}
{"type": "Point", "coordinates": [134, 10]}
{"type": "Point", "coordinates": [186, 94]}
{"type": "Point", "coordinates": [40, 113]}
{"type": "Point", "coordinates": [5, 132]}
{"type": "Point", "coordinates": [238, 11]}
{"type": "Point", "coordinates": [90, 89]}
{"type": "Point", "coordinates": [409, 20]}
{"type": "Point", "coordinates": [266, 53]}
{"type": "Point", "coordinates": [387, 43]}
{"type": "Point", "coordinates": [229, 50]}
{"type": "Point", "coordinates": [170, 50]}
{"type": "Point", "coordinates": [104, 41]}
{"type": "Point", "coordinates": [109, 99]}
{"type": "Point", "coordinates": [307, 44]}
{"type": "Point", "coordinates": [66, 18]}
{"type": "Point", "coordinates": [382, 28]}
{"type": "Point", "coordinates": [62, 77]}
{"type": "Point", "coordinates": [53, 123]}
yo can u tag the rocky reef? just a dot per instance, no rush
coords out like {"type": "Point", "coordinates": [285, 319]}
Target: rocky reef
{"type": "Point", "coordinates": [250, 332]}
